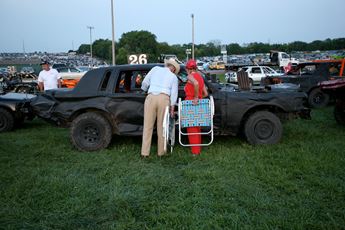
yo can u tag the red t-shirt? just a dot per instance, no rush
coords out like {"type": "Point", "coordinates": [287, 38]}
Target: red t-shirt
{"type": "Point", "coordinates": [189, 88]}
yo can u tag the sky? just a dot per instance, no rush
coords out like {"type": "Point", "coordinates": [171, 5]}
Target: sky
{"type": "Point", "coordinates": [61, 25]}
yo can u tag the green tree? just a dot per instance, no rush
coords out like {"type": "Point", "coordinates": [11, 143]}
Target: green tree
{"type": "Point", "coordinates": [83, 49]}
{"type": "Point", "coordinates": [136, 42]}
{"type": "Point", "coordinates": [102, 49]}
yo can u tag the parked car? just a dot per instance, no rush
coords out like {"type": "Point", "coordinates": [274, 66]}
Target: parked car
{"type": "Point", "coordinates": [70, 73]}
{"type": "Point", "coordinates": [200, 65]}
{"type": "Point", "coordinates": [27, 70]}
{"type": "Point", "coordinates": [308, 75]}
{"type": "Point", "coordinates": [255, 74]}
{"type": "Point", "coordinates": [59, 65]}
{"type": "Point", "coordinates": [70, 76]}
{"type": "Point", "coordinates": [14, 109]}
{"type": "Point", "coordinates": [219, 65]}
{"type": "Point", "coordinates": [16, 84]}
{"type": "Point", "coordinates": [110, 101]}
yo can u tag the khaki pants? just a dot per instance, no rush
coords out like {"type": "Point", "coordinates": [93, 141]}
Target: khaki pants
{"type": "Point", "coordinates": [154, 109]}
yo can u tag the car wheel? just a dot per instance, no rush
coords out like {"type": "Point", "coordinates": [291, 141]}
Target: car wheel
{"type": "Point", "coordinates": [6, 120]}
{"type": "Point", "coordinates": [317, 98]}
{"type": "Point", "coordinates": [251, 82]}
{"type": "Point", "coordinates": [339, 114]}
{"type": "Point", "coordinates": [263, 127]}
{"type": "Point", "coordinates": [23, 89]}
{"type": "Point", "coordinates": [90, 132]}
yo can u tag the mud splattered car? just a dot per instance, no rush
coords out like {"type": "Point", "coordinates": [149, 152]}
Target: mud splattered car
{"type": "Point", "coordinates": [308, 75]}
{"type": "Point", "coordinates": [336, 88]}
{"type": "Point", "coordinates": [110, 101]}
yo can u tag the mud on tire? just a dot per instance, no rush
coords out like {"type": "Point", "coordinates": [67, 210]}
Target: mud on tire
{"type": "Point", "coordinates": [263, 127]}
{"type": "Point", "coordinates": [6, 120]}
{"type": "Point", "coordinates": [90, 132]}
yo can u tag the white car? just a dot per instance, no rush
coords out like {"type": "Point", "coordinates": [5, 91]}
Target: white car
{"type": "Point", "coordinates": [70, 73]}
{"type": "Point", "coordinates": [200, 65]}
{"type": "Point", "coordinates": [255, 74]}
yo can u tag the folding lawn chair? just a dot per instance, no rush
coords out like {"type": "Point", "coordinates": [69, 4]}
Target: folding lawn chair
{"type": "Point", "coordinates": [200, 115]}
{"type": "Point", "coordinates": [168, 130]}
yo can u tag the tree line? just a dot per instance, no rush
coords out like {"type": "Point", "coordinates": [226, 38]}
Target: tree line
{"type": "Point", "coordinates": [136, 42]}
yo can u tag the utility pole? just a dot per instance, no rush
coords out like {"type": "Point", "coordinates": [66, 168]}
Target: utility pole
{"type": "Point", "coordinates": [90, 28]}
{"type": "Point", "coordinates": [113, 32]}
{"type": "Point", "coordinates": [24, 53]}
{"type": "Point", "coordinates": [192, 36]}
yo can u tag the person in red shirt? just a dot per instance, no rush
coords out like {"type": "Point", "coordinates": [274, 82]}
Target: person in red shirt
{"type": "Point", "coordinates": [195, 89]}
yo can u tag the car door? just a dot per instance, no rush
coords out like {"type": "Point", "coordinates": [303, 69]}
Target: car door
{"type": "Point", "coordinates": [127, 101]}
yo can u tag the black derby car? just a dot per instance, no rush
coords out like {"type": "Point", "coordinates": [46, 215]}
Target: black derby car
{"type": "Point", "coordinates": [109, 101]}
{"type": "Point", "coordinates": [14, 109]}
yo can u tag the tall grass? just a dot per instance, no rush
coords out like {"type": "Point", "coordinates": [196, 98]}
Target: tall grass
{"type": "Point", "coordinates": [296, 184]}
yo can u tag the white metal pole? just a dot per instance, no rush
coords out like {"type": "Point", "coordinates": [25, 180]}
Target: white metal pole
{"type": "Point", "coordinates": [192, 36]}
{"type": "Point", "coordinates": [113, 32]}
{"type": "Point", "coordinates": [90, 28]}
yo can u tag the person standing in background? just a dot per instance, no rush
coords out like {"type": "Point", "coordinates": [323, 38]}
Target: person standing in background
{"type": "Point", "coordinates": [48, 78]}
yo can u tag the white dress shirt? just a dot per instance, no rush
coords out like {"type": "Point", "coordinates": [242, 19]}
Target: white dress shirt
{"type": "Point", "coordinates": [161, 80]}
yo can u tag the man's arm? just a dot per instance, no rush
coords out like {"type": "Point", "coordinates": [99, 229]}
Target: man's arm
{"type": "Point", "coordinates": [59, 83]}
{"type": "Point", "coordinates": [40, 86]}
{"type": "Point", "coordinates": [146, 82]}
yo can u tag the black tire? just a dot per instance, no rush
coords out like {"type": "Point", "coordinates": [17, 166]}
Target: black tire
{"type": "Point", "coordinates": [318, 99]}
{"type": "Point", "coordinates": [251, 82]}
{"type": "Point", "coordinates": [339, 114]}
{"type": "Point", "coordinates": [263, 127]}
{"type": "Point", "coordinates": [6, 120]}
{"type": "Point", "coordinates": [90, 132]}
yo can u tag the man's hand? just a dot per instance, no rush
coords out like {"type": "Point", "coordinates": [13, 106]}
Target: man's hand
{"type": "Point", "coordinates": [172, 111]}
{"type": "Point", "coordinates": [195, 101]}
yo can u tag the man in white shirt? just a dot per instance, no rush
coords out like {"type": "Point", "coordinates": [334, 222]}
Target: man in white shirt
{"type": "Point", "coordinates": [162, 86]}
{"type": "Point", "coordinates": [48, 78]}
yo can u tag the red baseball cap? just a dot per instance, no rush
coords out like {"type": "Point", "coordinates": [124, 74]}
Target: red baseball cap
{"type": "Point", "coordinates": [191, 64]}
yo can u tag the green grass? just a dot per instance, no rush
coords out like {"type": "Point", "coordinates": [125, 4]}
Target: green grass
{"type": "Point", "coordinates": [296, 184]}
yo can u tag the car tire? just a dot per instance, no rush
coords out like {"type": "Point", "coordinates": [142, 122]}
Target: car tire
{"type": "Point", "coordinates": [6, 120]}
{"type": "Point", "coordinates": [318, 99]}
{"type": "Point", "coordinates": [263, 127]}
{"type": "Point", "coordinates": [90, 132]}
{"type": "Point", "coordinates": [251, 82]}
{"type": "Point", "coordinates": [339, 114]}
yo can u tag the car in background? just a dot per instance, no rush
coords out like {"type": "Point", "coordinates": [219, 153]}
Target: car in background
{"type": "Point", "coordinates": [59, 65]}
{"type": "Point", "coordinates": [84, 68]}
{"type": "Point", "coordinates": [70, 76]}
{"type": "Point", "coordinates": [219, 65]}
{"type": "Point", "coordinates": [14, 109]}
{"type": "Point", "coordinates": [308, 75]}
{"type": "Point", "coordinates": [27, 70]}
{"type": "Point", "coordinates": [70, 73]}
{"type": "Point", "coordinates": [200, 65]}
{"type": "Point", "coordinates": [255, 74]}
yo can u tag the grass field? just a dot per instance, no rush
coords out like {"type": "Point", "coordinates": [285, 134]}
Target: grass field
{"type": "Point", "coordinates": [296, 184]}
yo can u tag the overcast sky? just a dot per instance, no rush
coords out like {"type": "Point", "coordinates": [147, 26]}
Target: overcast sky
{"type": "Point", "coordinates": [60, 25]}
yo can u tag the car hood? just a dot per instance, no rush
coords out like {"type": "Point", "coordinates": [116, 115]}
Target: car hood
{"type": "Point", "coordinates": [17, 96]}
